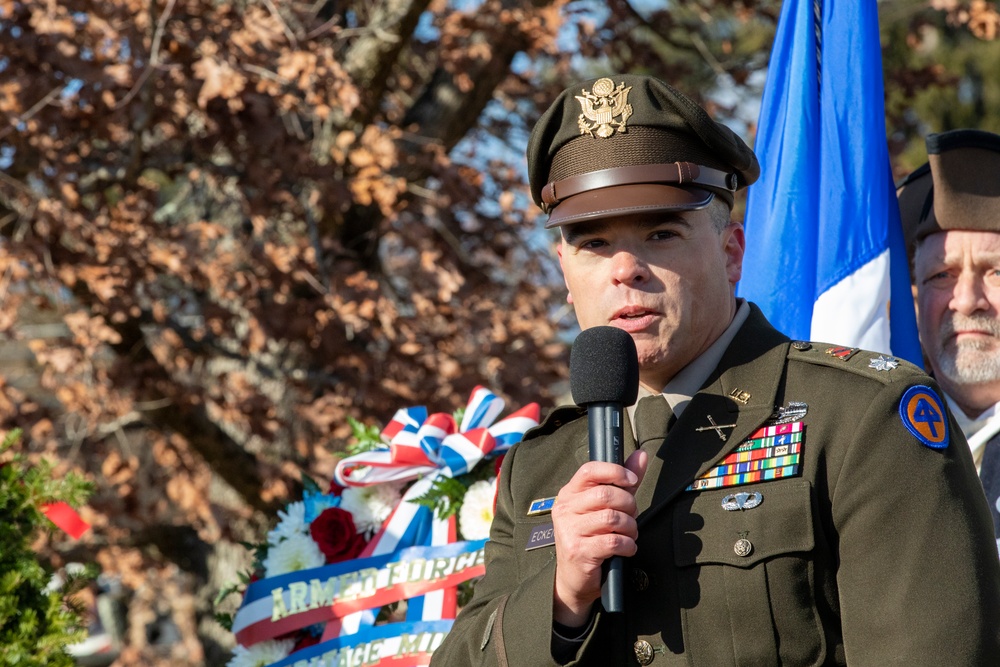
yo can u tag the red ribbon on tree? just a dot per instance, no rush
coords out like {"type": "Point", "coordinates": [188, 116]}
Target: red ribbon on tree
{"type": "Point", "coordinates": [66, 518]}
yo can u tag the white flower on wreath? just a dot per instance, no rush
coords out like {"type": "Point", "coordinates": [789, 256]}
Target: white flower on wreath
{"type": "Point", "coordinates": [476, 513]}
{"type": "Point", "coordinates": [295, 553]}
{"type": "Point", "coordinates": [292, 523]}
{"type": "Point", "coordinates": [370, 506]}
{"type": "Point", "coordinates": [261, 654]}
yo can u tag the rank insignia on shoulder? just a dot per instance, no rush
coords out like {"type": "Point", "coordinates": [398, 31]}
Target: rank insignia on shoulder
{"type": "Point", "coordinates": [541, 506]}
{"type": "Point", "coordinates": [770, 453]}
{"type": "Point", "coordinates": [842, 353]}
{"type": "Point", "coordinates": [923, 414]}
{"type": "Point", "coordinates": [883, 363]}
{"type": "Point", "coordinates": [541, 536]}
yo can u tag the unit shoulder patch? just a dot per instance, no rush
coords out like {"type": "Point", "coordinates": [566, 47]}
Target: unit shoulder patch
{"type": "Point", "coordinates": [923, 414]}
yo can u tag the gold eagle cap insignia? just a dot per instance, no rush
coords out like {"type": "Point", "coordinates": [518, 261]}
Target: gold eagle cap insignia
{"type": "Point", "coordinates": [601, 106]}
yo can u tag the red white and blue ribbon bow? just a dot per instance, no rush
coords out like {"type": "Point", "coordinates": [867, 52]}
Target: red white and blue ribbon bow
{"type": "Point", "coordinates": [418, 444]}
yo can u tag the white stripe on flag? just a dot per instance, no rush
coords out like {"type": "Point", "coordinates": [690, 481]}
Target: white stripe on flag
{"type": "Point", "coordinates": [855, 311]}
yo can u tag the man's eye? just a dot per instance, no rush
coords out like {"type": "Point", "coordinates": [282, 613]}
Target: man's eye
{"type": "Point", "coordinates": [938, 277]}
{"type": "Point", "coordinates": [663, 234]}
{"type": "Point", "coordinates": [591, 244]}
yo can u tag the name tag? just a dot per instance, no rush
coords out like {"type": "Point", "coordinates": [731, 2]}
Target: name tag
{"type": "Point", "coordinates": [541, 536]}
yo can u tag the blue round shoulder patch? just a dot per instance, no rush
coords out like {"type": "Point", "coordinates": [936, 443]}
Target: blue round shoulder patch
{"type": "Point", "coordinates": [923, 414]}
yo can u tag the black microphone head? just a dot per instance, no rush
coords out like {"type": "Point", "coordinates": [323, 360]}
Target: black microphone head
{"type": "Point", "coordinates": [604, 367]}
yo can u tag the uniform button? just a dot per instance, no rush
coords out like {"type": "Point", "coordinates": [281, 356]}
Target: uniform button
{"type": "Point", "coordinates": [743, 547]}
{"type": "Point", "coordinates": [640, 579]}
{"type": "Point", "coordinates": [801, 345]}
{"type": "Point", "coordinates": [643, 652]}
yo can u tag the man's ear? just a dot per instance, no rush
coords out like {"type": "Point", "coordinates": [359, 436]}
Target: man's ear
{"type": "Point", "coordinates": [735, 246]}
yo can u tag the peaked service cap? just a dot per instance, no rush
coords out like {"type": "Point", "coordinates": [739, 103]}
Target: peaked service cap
{"type": "Point", "coordinates": [626, 144]}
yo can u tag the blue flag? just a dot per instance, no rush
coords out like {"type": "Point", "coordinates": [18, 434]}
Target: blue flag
{"type": "Point", "coordinates": [825, 258]}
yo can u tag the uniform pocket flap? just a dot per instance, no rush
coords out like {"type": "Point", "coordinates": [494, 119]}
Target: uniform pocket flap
{"type": "Point", "coordinates": [764, 520]}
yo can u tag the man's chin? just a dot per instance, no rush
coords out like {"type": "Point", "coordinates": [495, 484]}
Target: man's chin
{"type": "Point", "coordinates": [972, 366]}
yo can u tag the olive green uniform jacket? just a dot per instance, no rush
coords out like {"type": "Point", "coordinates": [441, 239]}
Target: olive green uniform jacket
{"type": "Point", "coordinates": [879, 552]}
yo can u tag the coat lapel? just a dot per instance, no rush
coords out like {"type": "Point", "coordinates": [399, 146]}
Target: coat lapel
{"type": "Point", "coordinates": [739, 397]}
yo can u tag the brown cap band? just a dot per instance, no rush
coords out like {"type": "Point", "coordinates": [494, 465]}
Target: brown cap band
{"type": "Point", "coordinates": [681, 173]}
{"type": "Point", "coordinates": [622, 200]}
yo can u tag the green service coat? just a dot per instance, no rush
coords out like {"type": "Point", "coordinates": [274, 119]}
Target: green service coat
{"type": "Point", "coordinates": [880, 551]}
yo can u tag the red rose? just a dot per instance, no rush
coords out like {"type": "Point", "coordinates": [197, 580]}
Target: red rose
{"type": "Point", "coordinates": [334, 532]}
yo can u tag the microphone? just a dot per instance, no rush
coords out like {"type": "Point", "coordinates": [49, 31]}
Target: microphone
{"type": "Point", "coordinates": [604, 378]}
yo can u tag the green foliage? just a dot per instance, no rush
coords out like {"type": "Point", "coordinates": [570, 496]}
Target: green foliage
{"type": "Point", "coordinates": [939, 75]}
{"type": "Point", "coordinates": [366, 438]}
{"type": "Point", "coordinates": [259, 551]}
{"type": "Point", "coordinates": [446, 494]}
{"type": "Point", "coordinates": [444, 497]}
{"type": "Point", "coordinates": [36, 622]}
{"type": "Point", "coordinates": [310, 485]}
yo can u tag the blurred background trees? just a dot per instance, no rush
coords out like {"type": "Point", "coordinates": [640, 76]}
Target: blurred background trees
{"type": "Point", "coordinates": [227, 226]}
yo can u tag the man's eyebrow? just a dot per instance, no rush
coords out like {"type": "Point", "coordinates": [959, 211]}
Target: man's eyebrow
{"type": "Point", "coordinates": [955, 258]}
{"type": "Point", "coordinates": [572, 232]}
{"type": "Point", "coordinates": [576, 230]}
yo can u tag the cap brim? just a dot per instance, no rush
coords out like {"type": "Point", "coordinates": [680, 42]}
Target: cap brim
{"type": "Point", "coordinates": [625, 200]}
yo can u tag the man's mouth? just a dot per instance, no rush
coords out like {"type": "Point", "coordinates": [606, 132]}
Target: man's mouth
{"type": "Point", "coordinates": [633, 318]}
{"type": "Point", "coordinates": [632, 313]}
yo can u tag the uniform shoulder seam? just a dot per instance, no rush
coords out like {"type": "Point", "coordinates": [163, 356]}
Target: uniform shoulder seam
{"type": "Point", "coordinates": [877, 366]}
{"type": "Point", "coordinates": [559, 416]}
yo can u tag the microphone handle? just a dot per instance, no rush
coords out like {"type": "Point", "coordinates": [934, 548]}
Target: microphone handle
{"type": "Point", "coordinates": [607, 445]}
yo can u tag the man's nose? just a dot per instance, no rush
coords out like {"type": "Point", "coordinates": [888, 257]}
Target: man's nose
{"type": "Point", "coordinates": [629, 268]}
{"type": "Point", "coordinates": [969, 295]}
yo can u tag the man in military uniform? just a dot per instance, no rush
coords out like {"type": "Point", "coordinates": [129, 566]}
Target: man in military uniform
{"type": "Point", "coordinates": [951, 214]}
{"type": "Point", "coordinates": [783, 503]}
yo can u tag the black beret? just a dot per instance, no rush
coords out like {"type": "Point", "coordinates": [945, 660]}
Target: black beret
{"type": "Point", "coordinates": [958, 187]}
{"type": "Point", "coordinates": [627, 144]}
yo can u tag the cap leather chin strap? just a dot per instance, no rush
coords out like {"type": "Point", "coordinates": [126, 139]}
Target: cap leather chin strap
{"type": "Point", "coordinates": [675, 173]}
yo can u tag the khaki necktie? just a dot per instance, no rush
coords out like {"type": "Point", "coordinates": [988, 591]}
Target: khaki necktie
{"type": "Point", "coordinates": [653, 418]}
